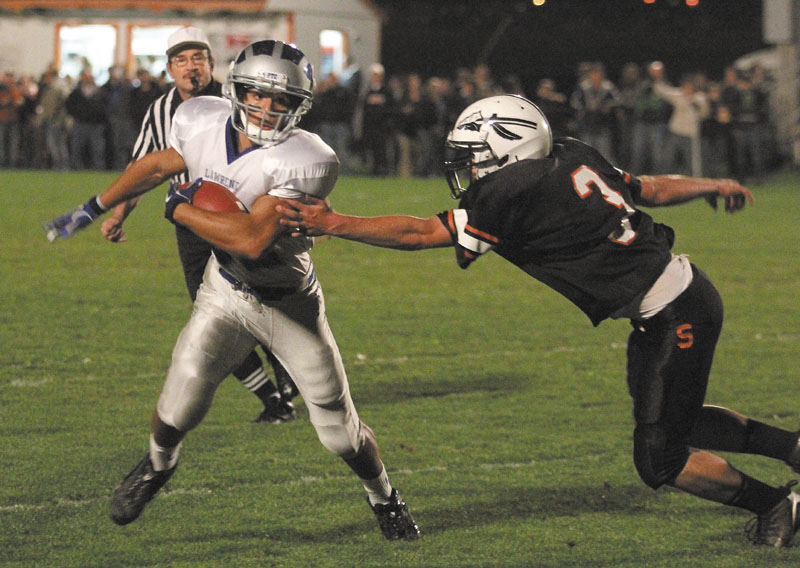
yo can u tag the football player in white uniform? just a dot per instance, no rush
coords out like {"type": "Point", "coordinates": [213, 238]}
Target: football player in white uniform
{"type": "Point", "coordinates": [190, 64]}
{"type": "Point", "coordinates": [259, 286]}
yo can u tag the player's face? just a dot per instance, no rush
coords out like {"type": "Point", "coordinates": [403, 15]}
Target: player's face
{"type": "Point", "coordinates": [459, 168]}
{"type": "Point", "coordinates": [269, 102]}
{"type": "Point", "coordinates": [191, 71]}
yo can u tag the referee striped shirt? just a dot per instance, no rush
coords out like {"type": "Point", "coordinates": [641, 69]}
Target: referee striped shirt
{"type": "Point", "coordinates": [154, 132]}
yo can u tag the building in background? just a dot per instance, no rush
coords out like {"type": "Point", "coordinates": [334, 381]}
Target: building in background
{"type": "Point", "coordinates": [73, 35]}
{"type": "Point", "coordinates": [782, 29]}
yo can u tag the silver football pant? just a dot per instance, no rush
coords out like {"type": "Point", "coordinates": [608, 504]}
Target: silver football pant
{"type": "Point", "coordinates": [227, 324]}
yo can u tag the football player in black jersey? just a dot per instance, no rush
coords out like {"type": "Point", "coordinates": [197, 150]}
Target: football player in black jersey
{"type": "Point", "coordinates": [563, 214]}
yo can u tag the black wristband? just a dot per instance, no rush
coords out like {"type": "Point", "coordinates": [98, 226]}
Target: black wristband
{"type": "Point", "coordinates": [169, 210]}
{"type": "Point", "coordinates": [94, 205]}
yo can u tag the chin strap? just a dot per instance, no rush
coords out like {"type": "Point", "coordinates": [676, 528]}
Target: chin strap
{"type": "Point", "coordinates": [258, 135]}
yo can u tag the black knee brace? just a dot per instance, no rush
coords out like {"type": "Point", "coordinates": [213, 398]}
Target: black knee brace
{"type": "Point", "coordinates": [657, 460]}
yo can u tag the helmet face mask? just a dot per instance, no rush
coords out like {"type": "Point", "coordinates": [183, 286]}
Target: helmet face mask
{"type": "Point", "coordinates": [491, 133]}
{"type": "Point", "coordinates": [275, 70]}
{"type": "Point", "coordinates": [464, 161]}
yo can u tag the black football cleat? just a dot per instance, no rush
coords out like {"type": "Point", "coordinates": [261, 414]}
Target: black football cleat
{"type": "Point", "coordinates": [394, 519]}
{"type": "Point", "coordinates": [286, 385]}
{"type": "Point", "coordinates": [277, 411]}
{"type": "Point", "coordinates": [776, 527]}
{"type": "Point", "coordinates": [136, 491]}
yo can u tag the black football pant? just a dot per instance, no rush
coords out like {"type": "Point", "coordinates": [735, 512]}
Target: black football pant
{"type": "Point", "coordinates": [669, 361]}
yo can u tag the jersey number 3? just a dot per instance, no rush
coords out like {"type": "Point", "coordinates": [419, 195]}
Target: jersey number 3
{"type": "Point", "coordinates": [585, 180]}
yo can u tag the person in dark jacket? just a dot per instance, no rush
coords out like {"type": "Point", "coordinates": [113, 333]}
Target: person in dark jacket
{"type": "Point", "coordinates": [88, 107]}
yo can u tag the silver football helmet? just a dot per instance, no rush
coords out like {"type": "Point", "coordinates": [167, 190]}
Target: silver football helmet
{"type": "Point", "coordinates": [492, 133]}
{"type": "Point", "coordinates": [274, 68]}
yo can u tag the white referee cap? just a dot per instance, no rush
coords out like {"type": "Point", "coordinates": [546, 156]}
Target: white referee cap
{"type": "Point", "coordinates": [186, 38]}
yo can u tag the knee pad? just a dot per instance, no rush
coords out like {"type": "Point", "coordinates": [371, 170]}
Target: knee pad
{"type": "Point", "coordinates": [189, 389]}
{"type": "Point", "coordinates": [184, 402]}
{"type": "Point", "coordinates": [658, 461]}
{"type": "Point", "coordinates": [341, 440]}
{"type": "Point", "coordinates": [338, 429]}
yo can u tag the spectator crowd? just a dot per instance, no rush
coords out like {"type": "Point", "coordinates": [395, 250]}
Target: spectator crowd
{"type": "Point", "coordinates": [65, 124]}
{"type": "Point", "coordinates": [388, 124]}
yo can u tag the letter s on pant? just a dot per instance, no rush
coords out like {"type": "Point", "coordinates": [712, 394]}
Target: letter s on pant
{"type": "Point", "coordinates": [685, 336]}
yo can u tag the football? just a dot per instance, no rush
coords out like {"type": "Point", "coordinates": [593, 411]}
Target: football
{"type": "Point", "coordinates": [214, 197]}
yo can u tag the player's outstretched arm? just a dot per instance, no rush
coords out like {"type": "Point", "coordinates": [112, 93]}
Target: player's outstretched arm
{"type": "Point", "coordinates": [314, 217]}
{"type": "Point", "coordinates": [675, 189]}
{"type": "Point", "coordinates": [139, 178]}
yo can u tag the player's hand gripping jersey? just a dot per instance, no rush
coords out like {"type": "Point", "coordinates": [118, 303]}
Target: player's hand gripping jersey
{"type": "Point", "coordinates": [302, 164]}
{"type": "Point", "coordinates": [568, 221]}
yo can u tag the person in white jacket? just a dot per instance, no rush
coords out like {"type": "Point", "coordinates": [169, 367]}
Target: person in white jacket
{"type": "Point", "coordinates": [690, 107]}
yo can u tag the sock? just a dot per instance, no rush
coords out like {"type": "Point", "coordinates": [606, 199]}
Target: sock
{"type": "Point", "coordinates": [163, 458]}
{"type": "Point", "coordinates": [379, 490]}
{"type": "Point", "coordinates": [252, 375]}
{"type": "Point", "coordinates": [284, 382]}
{"type": "Point", "coordinates": [769, 441]}
{"type": "Point", "coordinates": [756, 496]}
{"type": "Point", "coordinates": [259, 384]}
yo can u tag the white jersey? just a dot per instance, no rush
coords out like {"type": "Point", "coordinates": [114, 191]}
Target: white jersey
{"type": "Point", "coordinates": [300, 164]}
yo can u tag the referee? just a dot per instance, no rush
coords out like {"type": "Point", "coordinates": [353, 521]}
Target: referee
{"type": "Point", "coordinates": [189, 64]}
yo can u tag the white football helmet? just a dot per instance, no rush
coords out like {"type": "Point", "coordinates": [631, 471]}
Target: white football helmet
{"type": "Point", "coordinates": [275, 68]}
{"type": "Point", "coordinates": [492, 133]}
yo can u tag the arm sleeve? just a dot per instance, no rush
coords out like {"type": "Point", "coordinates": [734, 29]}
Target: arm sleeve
{"type": "Point", "coordinates": [312, 179]}
{"type": "Point", "coordinates": [633, 183]}
{"type": "Point", "coordinates": [469, 243]}
{"type": "Point", "coordinates": [175, 138]}
{"type": "Point", "coordinates": [303, 165]}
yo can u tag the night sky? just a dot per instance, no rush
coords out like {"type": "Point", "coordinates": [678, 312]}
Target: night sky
{"type": "Point", "coordinates": [434, 37]}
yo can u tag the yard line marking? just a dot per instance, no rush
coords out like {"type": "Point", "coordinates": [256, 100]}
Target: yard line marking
{"type": "Point", "coordinates": [304, 480]}
{"type": "Point", "coordinates": [56, 503]}
{"type": "Point", "coordinates": [30, 382]}
{"type": "Point", "coordinates": [362, 359]}
{"type": "Point", "coordinates": [359, 360]}
{"type": "Point", "coordinates": [33, 383]}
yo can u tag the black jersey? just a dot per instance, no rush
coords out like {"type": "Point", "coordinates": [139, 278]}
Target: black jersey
{"type": "Point", "coordinates": [568, 220]}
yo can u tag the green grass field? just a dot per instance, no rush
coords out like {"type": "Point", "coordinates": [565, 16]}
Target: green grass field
{"type": "Point", "coordinates": [501, 412]}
